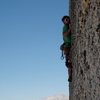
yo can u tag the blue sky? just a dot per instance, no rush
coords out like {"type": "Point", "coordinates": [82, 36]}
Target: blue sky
{"type": "Point", "coordinates": [30, 36]}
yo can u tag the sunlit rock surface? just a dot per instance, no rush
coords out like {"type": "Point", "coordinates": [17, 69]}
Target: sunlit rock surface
{"type": "Point", "coordinates": [85, 53]}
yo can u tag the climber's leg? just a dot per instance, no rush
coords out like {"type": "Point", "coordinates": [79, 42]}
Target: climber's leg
{"type": "Point", "coordinates": [70, 74]}
{"type": "Point", "coordinates": [66, 51]}
{"type": "Point", "coordinates": [68, 63]}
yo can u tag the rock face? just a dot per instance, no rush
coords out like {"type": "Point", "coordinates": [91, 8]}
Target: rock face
{"type": "Point", "coordinates": [85, 53]}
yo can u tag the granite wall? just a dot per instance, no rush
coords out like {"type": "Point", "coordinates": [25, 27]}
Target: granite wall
{"type": "Point", "coordinates": [85, 52]}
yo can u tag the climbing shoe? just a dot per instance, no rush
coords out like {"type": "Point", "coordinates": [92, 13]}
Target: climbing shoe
{"type": "Point", "coordinates": [70, 79]}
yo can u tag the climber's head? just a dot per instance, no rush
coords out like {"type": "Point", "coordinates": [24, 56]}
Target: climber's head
{"type": "Point", "coordinates": [66, 19]}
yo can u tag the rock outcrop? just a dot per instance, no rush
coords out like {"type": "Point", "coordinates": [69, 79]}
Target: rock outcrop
{"type": "Point", "coordinates": [85, 53]}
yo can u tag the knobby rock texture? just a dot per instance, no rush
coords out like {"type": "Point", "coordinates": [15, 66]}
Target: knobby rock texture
{"type": "Point", "coordinates": [85, 51]}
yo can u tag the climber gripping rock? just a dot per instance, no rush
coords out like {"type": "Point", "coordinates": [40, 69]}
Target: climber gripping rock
{"type": "Point", "coordinates": [65, 47]}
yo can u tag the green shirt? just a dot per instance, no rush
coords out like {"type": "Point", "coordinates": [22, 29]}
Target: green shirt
{"type": "Point", "coordinates": [67, 39]}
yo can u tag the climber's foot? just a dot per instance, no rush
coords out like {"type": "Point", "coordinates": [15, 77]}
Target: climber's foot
{"type": "Point", "coordinates": [70, 79]}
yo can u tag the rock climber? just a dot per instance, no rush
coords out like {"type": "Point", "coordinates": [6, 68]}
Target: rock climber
{"type": "Point", "coordinates": [66, 46]}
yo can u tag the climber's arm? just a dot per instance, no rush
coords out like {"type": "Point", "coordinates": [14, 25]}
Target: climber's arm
{"type": "Point", "coordinates": [66, 33]}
